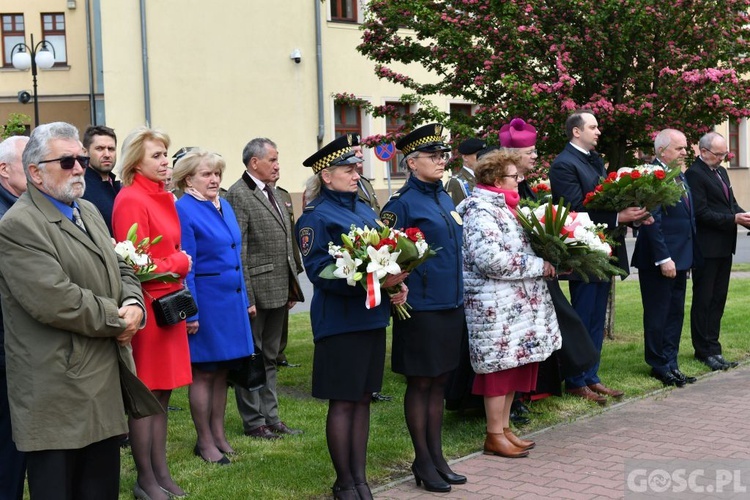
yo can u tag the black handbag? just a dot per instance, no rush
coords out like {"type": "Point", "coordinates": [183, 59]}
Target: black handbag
{"type": "Point", "coordinates": [174, 307]}
{"type": "Point", "coordinates": [250, 375]}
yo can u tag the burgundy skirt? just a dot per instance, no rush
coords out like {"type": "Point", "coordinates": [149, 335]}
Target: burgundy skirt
{"type": "Point", "coordinates": [519, 379]}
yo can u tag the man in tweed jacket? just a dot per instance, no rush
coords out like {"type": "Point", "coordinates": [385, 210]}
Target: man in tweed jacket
{"type": "Point", "coordinates": [270, 277]}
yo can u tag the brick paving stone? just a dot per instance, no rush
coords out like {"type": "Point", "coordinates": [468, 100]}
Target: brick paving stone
{"type": "Point", "coordinates": [585, 459]}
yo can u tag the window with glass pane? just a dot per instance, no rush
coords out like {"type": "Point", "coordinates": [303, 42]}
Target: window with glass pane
{"type": "Point", "coordinates": [734, 143]}
{"type": "Point", "coordinates": [392, 124]}
{"type": "Point", "coordinates": [53, 31]}
{"type": "Point", "coordinates": [348, 120]}
{"type": "Point", "coordinates": [13, 33]}
{"type": "Point", "coordinates": [344, 10]}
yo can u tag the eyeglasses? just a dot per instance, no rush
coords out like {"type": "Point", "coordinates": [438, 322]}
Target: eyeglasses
{"type": "Point", "coordinates": [719, 155]}
{"type": "Point", "coordinates": [437, 157]}
{"type": "Point", "coordinates": [68, 162]}
{"type": "Point", "coordinates": [513, 176]}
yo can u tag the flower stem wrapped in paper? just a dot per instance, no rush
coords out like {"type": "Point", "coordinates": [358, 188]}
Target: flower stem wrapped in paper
{"type": "Point", "coordinates": [368, 255]}
{"type": "Point", "coordinates": [645, 186]}
{"type": "Point", "coordinates": [570, 241]}
{"type": "Point", "coordinates": [136, 254]}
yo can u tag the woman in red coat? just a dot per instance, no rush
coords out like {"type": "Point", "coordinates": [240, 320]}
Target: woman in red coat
{"type": "Point", "coordinates": [161, 353]}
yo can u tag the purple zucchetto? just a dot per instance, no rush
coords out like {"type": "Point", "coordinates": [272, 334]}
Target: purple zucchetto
{"type": "Point", "coordinates": [517, 134]}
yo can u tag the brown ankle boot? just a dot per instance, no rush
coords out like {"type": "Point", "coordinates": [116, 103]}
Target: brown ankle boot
{"type": "Point", "coordinates": [521, 443]}
{"type": "Point", "coordinates": [497, 444]}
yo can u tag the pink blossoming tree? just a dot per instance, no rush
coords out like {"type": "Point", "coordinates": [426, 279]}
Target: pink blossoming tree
{"type": "Point", "coordinates": [641, 65]}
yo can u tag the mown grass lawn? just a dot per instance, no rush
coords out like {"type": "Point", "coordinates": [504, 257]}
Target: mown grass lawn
{"type": "Point", "coordinates": [299, 466]}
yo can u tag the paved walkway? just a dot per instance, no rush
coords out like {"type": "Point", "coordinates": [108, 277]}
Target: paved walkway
{"type": "Point", "coordinates": [585, 459]}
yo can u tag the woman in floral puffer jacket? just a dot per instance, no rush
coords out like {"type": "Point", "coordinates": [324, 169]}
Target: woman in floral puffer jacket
{"type": "Point", "coordinates": [509, 312]}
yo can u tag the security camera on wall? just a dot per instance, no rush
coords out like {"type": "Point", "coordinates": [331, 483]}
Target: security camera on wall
{"type": "Point", "coordinates": [296, 55]}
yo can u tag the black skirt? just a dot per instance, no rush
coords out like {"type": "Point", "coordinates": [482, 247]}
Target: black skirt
{"type": "Point", "coordinates": [348, 365]}
{"type": "Point", "coordinates": [427, 344]}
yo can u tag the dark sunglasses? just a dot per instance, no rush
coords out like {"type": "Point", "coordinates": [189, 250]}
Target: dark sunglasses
{"type": "Point", "coordinates": [68, 162]}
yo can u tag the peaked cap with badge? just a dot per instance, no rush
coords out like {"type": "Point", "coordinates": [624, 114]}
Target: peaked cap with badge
{"type": "Point", "coordinates": [427, 138]}
{"type": "Point", "coordinates": [180, 153]}
{"type": "Point", "coordinates": [471, 146]}
{"type": "Point", "coordinates": [337, 152]}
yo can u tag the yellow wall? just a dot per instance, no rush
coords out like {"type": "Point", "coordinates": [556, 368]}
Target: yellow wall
{"type": "Point", "coordinates": [69, 84]}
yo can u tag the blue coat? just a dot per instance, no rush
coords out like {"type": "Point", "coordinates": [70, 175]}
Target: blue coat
{"type": "Point", "coordinates": [215, 280]}
{"type": "Point", "coordinates": [437, 284]}
{"type": "Point", "coordinates": [672, 235]}
{"type": "Point", "coordinates": [102, 194]}
{"type": "Point", "coordinates": [336, 307]}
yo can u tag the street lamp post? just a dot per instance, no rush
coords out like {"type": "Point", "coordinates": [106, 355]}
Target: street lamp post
{"type": "Point", "coordinates": [34, 56]}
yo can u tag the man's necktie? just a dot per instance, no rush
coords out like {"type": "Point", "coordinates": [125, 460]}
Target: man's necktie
{"type": "Point", "coordinates": [77, 219]}
{"type": "Point", "coordinates": [723, 184]}
{"type": "Point", "coordinates": [272, 199]}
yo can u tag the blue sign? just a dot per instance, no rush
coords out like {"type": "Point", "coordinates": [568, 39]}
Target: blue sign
{"type": "Point", "coordinates": [385, 151]}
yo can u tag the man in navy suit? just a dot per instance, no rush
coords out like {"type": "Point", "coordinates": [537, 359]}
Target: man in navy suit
{"type": "Point", "coordinates": [575, 172]}
{"type": "Point", "coordinates": [716, 217]}
{"type": "Point", "coordinates": [663, 255]}
{"type": "Point", "coordinates": [100, 143]}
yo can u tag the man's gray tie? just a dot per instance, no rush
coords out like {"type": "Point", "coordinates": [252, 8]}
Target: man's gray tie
{"type": "Point", "coordinates": [77, 220]}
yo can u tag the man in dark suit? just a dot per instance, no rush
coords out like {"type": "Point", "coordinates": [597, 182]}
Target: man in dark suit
{"type": "Point", "coordinates": [575, 172]}
{"type": "Point", "coordinates": [270, 277]}
{"type": "Point", "coordinates": [12, 185]}
{"type": "Point", "coordinates": [717, 215]}
{"type": "Point", "coordinates": [71, 308]}
{"type": "Point", "coordinates": [100, 143]}
{"type": "Point", "coordinates": [663, 255]}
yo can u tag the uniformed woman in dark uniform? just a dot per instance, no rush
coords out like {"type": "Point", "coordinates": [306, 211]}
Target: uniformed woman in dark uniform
{"type": "Point", "coordinates": [426, 347]}
{"type": "Point", "coordinates": [349, 338]}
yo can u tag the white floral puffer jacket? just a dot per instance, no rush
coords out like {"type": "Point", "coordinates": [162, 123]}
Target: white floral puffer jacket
{"type": "Point", "coordinates": [509, 310]}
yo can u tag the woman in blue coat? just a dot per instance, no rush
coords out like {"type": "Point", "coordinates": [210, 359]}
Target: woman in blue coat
{"type": "Point", "coordinates": [219, 335]}
{"type": "Point", "coordinates": [426, 346]}
{"type": "Point", "coordinates": [349, 338]}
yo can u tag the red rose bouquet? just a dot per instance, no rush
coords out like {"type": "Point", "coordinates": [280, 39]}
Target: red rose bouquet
{"type": "Point", "coordinates": [646, 186]}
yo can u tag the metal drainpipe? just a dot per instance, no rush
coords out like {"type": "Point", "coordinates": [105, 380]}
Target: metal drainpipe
{"type": "Point", "coordinates": [90, 61]}
{"type": "Point", "coordinates": [144, 62]}
{"type": "Point", "coordinates": [319, 52]}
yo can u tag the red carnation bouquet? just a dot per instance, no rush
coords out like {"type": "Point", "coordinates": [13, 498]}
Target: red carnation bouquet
{"type": "Point", "coordinates": [645, 186]}
{"type": "Point", "coordinates": [367, 255]}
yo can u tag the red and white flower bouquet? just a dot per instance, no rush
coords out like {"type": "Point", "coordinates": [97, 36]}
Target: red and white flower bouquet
{"type": "Point", "coordinates": [645, 186]}
{"type": "Point", "coordinates": [570, 241]}
{"type": "Point", "coordinates": [367, 256]}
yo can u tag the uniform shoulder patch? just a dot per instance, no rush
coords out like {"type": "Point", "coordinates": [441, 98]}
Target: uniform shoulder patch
{"type": "Point", "coordinates": [306, 238]}
{"type": "Point", "coordinates": [389, 218]}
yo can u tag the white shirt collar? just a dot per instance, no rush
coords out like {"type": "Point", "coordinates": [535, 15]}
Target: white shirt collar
{"type": "Point", "coordinates": [579, 148]}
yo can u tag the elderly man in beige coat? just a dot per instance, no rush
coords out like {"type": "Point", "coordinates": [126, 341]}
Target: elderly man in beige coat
{"type": "Point", "coordinates": [71, 307]}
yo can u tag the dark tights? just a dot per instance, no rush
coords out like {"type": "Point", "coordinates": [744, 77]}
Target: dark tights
{"type": "Point", "coordinates": [423, 408]}
{"type": "Point", "coordinates": [148, 442]}
{"type": "Point", "coordinates": [347, 431]}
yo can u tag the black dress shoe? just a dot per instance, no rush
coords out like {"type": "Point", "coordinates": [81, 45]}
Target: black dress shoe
{"type": "Point", "coordinates": [519, 407]}
{"type": "Point", "coordinates": [681, 376]}
{"type": "Point", "coordinates": [380, 398]}
{"type": "Point", "coordinates": [222, 461]}
{"type": "Point", "coordinates": [434, 486]}
{"type": "Point", "coordinates": [728, 364]}
{"type": "Point", "coordinates": [518, 419]}
{"type": "Point", "coordinates": [713, 363]}
{"type": "Point", "coordinates": [451, 477]}
{"type": "Point", "coordinates": [668, 379]}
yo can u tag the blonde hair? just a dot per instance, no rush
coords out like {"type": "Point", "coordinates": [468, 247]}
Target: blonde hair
{"type": "Point", "coordinates": [188, 165]}
{"type": "Point", "coordinates": [494, 165]}
{"type": "Point", "coordinates": [133, 150]}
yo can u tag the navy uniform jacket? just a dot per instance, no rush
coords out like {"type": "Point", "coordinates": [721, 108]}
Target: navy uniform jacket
{"type": "Point", "coordinates": [437, 284]}
{"type": "Point", "coordinates": [102, 194]}
{"type": "Point", "coordinates": [671, 236]}
{"type": "Point", "coordinates": [572, 175]}
{"type": "Point", "coordinates": [336, 307]}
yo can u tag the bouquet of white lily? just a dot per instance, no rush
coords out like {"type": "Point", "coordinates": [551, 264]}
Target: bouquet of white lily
{"type": "Point", "coordinates": [136, 254]}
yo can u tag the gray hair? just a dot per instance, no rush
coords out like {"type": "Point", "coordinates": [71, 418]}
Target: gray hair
{"type": "Point", "coordinates": [8, 148]}
{"type": "Point", "coordinates": [707, 140]}
{"type": "Point", "coordinates": [664, 138]}
{"type": "Point", "coordinates": [312, 187]}
{"type": "Point", "coordinates": [256, 149]}
{"type": "Point", "coordinates": [38, 146]}
{"type": "Point", "coordinates": [405, 161]}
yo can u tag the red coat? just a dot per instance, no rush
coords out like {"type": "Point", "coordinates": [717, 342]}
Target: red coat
{"type": "Point", "coordinates": [162, 355]}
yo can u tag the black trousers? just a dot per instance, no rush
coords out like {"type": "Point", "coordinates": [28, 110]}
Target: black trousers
{"type": "Point", "coordinates": [89, 473]}
{"type": "Point", "coordinates": [710, 288]}
{"type": "Point", "coordinates": [12, 461]}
